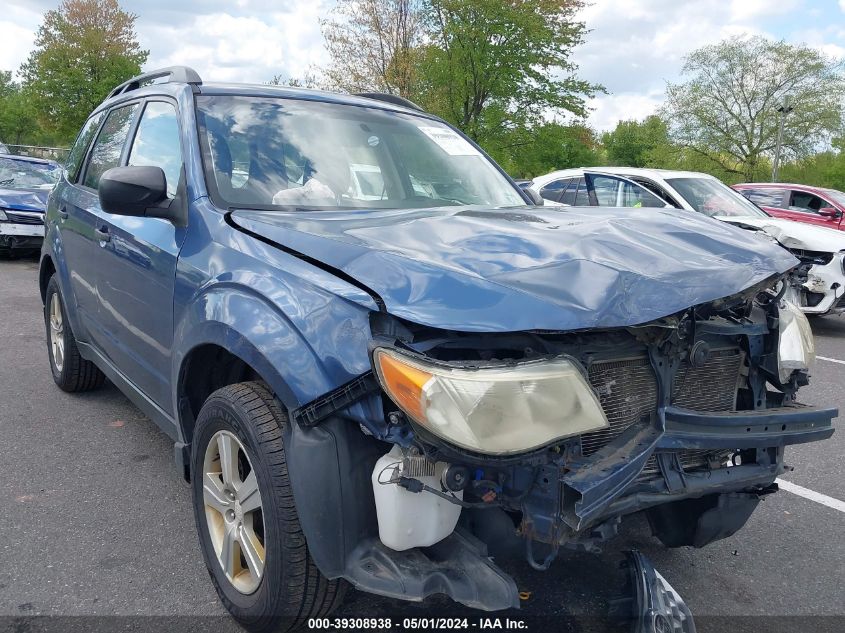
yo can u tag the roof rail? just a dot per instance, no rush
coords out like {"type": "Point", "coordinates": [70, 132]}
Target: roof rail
{"type": "Point", "coordinates": [389, 98]}
{"type": "Point", "coordinates": [177, 74]}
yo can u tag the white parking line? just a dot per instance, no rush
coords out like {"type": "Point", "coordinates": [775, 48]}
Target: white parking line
{"type": "Point", "coordinates": [812, 495]}
{"type": "Point", "coordinates": [831, 360]}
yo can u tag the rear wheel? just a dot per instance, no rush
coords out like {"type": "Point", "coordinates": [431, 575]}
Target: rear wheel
{"type": "Point", "coordinates": [246, 517]}
{"type": "Point", "coordinates": [71, 372]}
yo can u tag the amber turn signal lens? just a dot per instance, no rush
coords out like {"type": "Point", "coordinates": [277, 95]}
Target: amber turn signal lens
{"type": "Point", "coordinates": [403, 383]}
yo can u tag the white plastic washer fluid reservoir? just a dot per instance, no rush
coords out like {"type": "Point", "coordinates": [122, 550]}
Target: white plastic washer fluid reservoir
{"type": "Point", "coordinates": [408, 519]}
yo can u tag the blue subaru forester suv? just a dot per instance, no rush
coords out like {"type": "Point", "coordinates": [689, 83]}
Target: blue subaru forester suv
{"type": "Point", "coordinates": [381, 363]}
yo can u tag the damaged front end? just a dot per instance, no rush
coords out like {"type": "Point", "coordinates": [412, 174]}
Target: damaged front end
{"type": "Point", "coordinates": [818, 284]}
{"type": "Point", "coordinates": [527, 442]}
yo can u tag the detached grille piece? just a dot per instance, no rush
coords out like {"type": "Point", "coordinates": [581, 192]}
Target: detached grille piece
{"type": "Point", "coordinates": [627, 391]}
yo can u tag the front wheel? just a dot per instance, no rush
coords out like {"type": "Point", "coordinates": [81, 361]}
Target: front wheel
{"type": "Point", "coordinates": [246, 517]}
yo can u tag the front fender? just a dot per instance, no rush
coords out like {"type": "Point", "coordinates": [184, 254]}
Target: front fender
{"type": "Point", "coordinates": [255, 330]}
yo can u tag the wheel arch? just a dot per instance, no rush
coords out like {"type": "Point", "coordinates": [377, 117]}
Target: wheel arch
{"type": "Point", "coordinates": [46, 270]}
{"type": "Point", "coordinates": [249, 335]}
{"type": "Point", "coordinates": [214, 364]}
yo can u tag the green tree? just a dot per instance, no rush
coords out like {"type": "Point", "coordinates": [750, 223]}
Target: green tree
{"type": "Point", "coordinates": [17, 122]}
{"type": "Point", "coordinates": [636, 143]}
{"type": "Point", "coordinates": [825, 169]}
{"type": "Point", "coordinates": [548, 147]}
{"type": "Point", "coordinates": [83, 49]}
{"type": "Point", "coordinates": [493, 68]}
{"type": "Point", "coordinates": [726, 110]}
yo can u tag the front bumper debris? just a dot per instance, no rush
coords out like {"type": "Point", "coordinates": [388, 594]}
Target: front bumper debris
{"type": "Point", "coordinates": [825, 287]}
{"type": "Point", "coordinates": [457, 566]}
{"type": "Point", "coordinates": [655, 606]}
{"type": "Point", "coordinates": [609, 483]}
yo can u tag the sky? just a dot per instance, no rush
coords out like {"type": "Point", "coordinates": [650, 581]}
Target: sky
{"type": "Point", "coordinates": [633, 47]}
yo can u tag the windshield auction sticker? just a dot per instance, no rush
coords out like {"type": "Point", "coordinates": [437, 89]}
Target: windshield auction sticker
{"type": "Point", "coordinates": [448, 141]}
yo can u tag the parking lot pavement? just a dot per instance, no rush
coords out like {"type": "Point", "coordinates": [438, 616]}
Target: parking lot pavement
{"type": "Point", "coordinates": [95, 519]}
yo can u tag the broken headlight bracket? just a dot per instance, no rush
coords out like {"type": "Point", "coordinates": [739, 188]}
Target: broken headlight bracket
{"type": "Point", "coordinates": [324, 407]}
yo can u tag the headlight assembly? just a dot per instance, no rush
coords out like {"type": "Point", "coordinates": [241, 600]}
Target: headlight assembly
{"type": "Point", "coordinates": [796, 347]}
{"type": "Point", "coordinates": [492, 410]}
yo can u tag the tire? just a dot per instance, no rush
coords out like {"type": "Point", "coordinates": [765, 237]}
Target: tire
{"type": "Point", "coordinates": [71, 372]}
{"type": "Point", "coordinates": [290, 589]}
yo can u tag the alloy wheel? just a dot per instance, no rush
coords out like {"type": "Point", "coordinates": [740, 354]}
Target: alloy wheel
{"type": "Point", "coordinates": [233, 511]}
{"type": "Point", "coordinates": [57, 332]}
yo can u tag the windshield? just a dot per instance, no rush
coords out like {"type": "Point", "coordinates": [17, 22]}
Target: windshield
{"type": "Point", "coordinates": [837, 196]}
{"type": "Point", "coordinates": [712, 198]}
{"type": "Point", "coordinates": [23, 174]}
{"type": "Point", "coordinates": [290, 153]}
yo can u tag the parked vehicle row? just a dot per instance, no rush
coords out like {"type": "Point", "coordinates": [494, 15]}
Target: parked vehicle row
{"type": "Point", "coordinates": [381, 362]}
{"type": "Point", "coordinates": [818, 286]}
{"type": "Point", "coordinates": [24, 185]}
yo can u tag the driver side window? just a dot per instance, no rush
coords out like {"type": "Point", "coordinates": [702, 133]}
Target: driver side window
{"type": "Point", "coordinates": [806, 202]}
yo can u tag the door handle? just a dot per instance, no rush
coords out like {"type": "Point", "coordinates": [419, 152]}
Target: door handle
{"type": "Point", "coordinates": [63, 213]}
{"type": "Point", "coordinates": [102, 234]}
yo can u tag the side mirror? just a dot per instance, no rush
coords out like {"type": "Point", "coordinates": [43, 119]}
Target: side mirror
{"type": "Point", "coordinates": [535, 198]}
{"type": "Point", "coordinates": [138, 192]}
{"type": "Point", "coordinates": [830, 212]}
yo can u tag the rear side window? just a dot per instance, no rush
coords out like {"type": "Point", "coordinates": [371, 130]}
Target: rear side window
{"type": "Point", "coordinates": [765, 197]}
{"type": "Point", "coordinates": [553, 190]}
{"type": "Point", "coordinates": [80, 147]}
{"type": "Point", "coordinates": [157, 143]}
{"type": "Point", "coordinates": [109, 144]}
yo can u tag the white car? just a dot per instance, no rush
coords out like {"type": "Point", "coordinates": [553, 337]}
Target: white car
{"type": "Point", "coordinates": [821, 249]}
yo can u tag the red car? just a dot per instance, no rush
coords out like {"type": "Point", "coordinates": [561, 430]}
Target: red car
{"type": "Point", "coordinates": [814, 205]}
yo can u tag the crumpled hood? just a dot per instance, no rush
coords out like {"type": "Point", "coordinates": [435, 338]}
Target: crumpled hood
{"type": "Point", "coordinates": [476, 269]}
{"type": "Point", "coordinates": [795, 234]}
{"type": "Point", "coordinates": [24, 199]}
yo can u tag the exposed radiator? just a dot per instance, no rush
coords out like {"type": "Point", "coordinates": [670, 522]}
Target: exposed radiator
{"type": "Point", "coordinates": [627, 390]}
